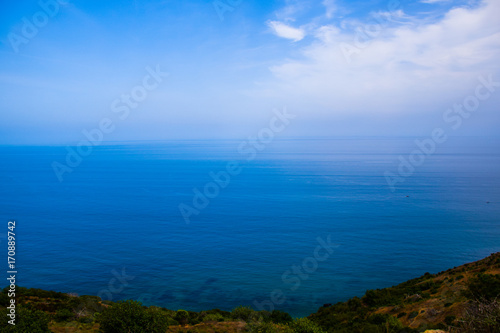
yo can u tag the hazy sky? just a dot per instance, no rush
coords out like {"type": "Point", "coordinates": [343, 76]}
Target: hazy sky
{"type": "Point", "coordinates": [342, 67]}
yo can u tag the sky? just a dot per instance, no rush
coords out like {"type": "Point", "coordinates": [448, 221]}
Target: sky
{"type": "Point", "coordinates": [176, 70]}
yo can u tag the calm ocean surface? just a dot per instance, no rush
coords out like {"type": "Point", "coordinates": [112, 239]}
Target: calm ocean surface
{"type": "Point", "coordinates": [118, 213]}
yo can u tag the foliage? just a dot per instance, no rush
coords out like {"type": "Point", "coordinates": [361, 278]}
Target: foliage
{"type": "Point", "coordinates": [378, 311]}
{"type": "Point", "coordinates": [4, 299]}
{"type": "Point", "coordinates": [304, 325]}
{"type": "Point", "coordinates": [182, 317]}
{"type": "Point", "coordinates": [213, 317]}
{"type": "Point", "coordinates": [131, 316]}
{"type": "Point", "coordinates": [484, 286]}
{"type": "Point", "coordinates": [35, 292]}
{"type": "Point", "coordinates": [404, 291]}
{"type": "Point", "coordinates": [353, 317]}
{"type": "Point", "coordinates": [242, 313]}
{"type": "Point", "coordinates": [280, 317]}
{"type": "Point", "coordinates": [64, 315]}
{"type": "Point", "coordinates": [27, 320]}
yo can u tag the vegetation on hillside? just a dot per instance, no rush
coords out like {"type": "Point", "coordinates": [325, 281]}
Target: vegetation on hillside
{"type": "Point", "coordinates": [448, 301]}
{"type": "Point", "coordinates": [459, 300]}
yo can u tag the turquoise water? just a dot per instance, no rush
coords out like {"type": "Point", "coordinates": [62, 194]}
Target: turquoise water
{"type": "Point", "coordinates": [117, 214]}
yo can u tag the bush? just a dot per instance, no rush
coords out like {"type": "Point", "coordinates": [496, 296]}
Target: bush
{"type": "Point", "coordinates": [64, 315]}
{"type": "Point", "coordinates": [280, 317]}
{"type": "Point", "coordinates": [86, 305]}
{"type": "Point", "coordinates": [242, 313]}
{"type": "Point", "coordinates": [393, 324]}
{"type": "Point", "coordinates": [182, 317]}
{"type": "Point", "coordinates": [35, 292]}
{"type": "Point", "coordinates": [304, 325]}
{"type": "Point", "coordinates": [4, 299]}
{"type": "Point", "coordinates": [27, 320]}
{"type": "Point", "coordinates": [377, 319]}
{"type": "Point", "coordinates": [86, 320]}
{"type": "Point", "coordinates": [485, 286]}
{"type": "Point", "coordinates": [387, 321]}
{"type": "Point", "coordinates": [378, 297]}
{"type": "Point", "coordinates": [213, 317]}
{"type": "Point", "coordinates": [131, 316]}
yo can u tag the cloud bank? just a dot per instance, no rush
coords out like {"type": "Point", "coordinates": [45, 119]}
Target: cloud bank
{"type": "Point", "coordinates": [393, 62]}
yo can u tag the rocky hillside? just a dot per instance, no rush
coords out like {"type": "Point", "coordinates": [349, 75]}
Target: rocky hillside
{"type": "Point", "coordinates": [431, 301]}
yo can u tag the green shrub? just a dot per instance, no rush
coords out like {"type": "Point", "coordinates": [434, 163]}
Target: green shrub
{"type": "Point", "coordinates": [35, 292]}
{"type": "Point", "coordinates": [4, 299]}
{"type": "Point", "coordinates": [425, 295]}
{"type": "Point", "coordinates": [64, 315]}
{"type": "Point", "coordinates": [242, 313]}
{"type": "Point", "coordinates": [393, 324]}
{"type": "Point", "coordinates": [280, 317]}
{"type": "Point", "coordinates": [213, 317]}
{"type": "Point", "coordinates": [86, 304]}
{"type": "Point", "coordinates": [131, 316]}
{"type": "Point", "coordinates": [304, 325]}
{"type": "Point", "coordinates": [377, 319]}
{"type": "Point", "coordinates": [377, 297]}
{"type": "Point", "coordinates": [182, 317]}
{"type": "Point", "coordinates": [86, 320]}
{"type": "Point", "coordinates": [224, 314]}
{"type": "Point", "coordinates": [27, 320]}
{"type": "Point", "coordinates": [484, 286]}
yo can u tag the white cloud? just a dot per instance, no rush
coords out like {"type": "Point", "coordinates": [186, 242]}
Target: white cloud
{"type": "Point", "coordinates": [412, 67]}
{"type": "Point", "coordinates": [327, 33]}
{"type": "Point", "coordinates": [283, 30]}
{"type": "Point", "coordinates": [291, 9]}
{"type": "Point", "coordinates": [331, 8]}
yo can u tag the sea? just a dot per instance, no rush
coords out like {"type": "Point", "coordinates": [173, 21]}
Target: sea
{"type": "Point", "coordinates": [289, 224]}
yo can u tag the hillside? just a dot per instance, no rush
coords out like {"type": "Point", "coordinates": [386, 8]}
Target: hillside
{"type": "Point", "coordinates": [430, 301]}
{"type": "Point", "coordinates": [461, 299]}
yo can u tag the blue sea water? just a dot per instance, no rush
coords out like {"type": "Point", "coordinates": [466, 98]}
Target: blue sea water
{"type": "Point", "coordinates": [113, 227]}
